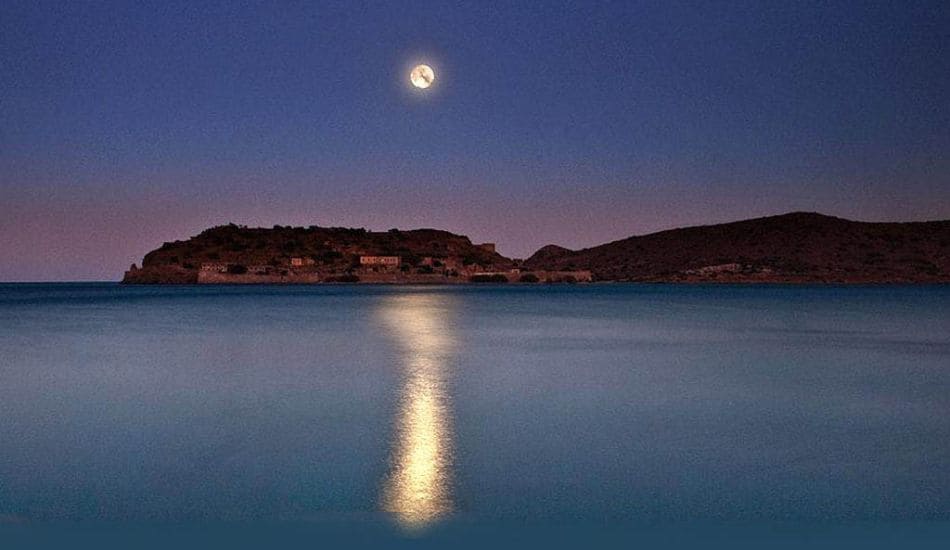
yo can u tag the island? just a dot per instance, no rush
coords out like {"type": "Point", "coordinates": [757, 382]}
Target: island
{"type": "Point", "coordinates": [798, 247]}
{"type": "Point", "coordinates": [304, 255]}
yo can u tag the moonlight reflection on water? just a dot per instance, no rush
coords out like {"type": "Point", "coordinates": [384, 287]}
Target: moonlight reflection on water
{"type": "Point", "coordinates": [418, 489]}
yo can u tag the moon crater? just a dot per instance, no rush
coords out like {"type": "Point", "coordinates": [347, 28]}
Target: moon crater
{"type": "Point", "coordinates": [422, 76]}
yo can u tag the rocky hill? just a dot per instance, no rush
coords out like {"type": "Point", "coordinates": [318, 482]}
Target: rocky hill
{"type": "Point", "coordinates": [796, 247]}
{"type": "Point", "coordinates": [329, 249]}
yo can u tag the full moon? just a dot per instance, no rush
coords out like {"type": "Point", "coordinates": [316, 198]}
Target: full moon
{"type": "Point", "coordinates": [422, 76]}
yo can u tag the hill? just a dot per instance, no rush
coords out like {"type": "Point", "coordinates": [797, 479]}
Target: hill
{"type": "Point", "coordinates": [795, 247]}
{"type": "Point", "coordinates": [332, 251]}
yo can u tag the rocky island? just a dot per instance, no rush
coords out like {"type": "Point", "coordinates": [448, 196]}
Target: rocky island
{"type": "Point", "coordinates": [789, 248]}
{"type": "Point", "coordinates": [238, 254]}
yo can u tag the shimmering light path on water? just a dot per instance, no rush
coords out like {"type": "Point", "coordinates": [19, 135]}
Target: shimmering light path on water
{"type": "Point", "coordinates": [418, 492]}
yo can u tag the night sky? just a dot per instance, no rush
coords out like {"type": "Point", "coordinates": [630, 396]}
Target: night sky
{"type": "Point", "coordinates": [123, 125]}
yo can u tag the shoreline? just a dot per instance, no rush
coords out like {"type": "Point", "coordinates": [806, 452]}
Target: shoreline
{"type": "Point", "coordinates": [520, 284]}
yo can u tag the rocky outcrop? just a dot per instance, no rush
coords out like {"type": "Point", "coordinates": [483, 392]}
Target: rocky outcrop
{"type": "Point", "coordinates": [321, 253]}
{"type": "Point", "coordinates": [546, 254]}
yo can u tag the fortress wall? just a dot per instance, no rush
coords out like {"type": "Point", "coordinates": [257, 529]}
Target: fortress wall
{"type": "Point", "coordinates": [384, 277]}
{"type": "Point", "coordinates": [214, 277]}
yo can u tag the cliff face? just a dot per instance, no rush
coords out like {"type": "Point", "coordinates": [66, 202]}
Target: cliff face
{"type": "Point", "coordinates": [328, 250]}
{"type": "Point", "coordinates": [796, 247]}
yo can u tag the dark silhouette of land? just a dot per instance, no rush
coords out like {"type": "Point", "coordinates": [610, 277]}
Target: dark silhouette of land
{"type": "Point", "coordinates": [233, 253]}
{"type": "Point", "coordinates": [796, 247]}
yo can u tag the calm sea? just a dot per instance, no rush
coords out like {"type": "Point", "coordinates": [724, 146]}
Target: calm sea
{"type": "Point", "coordinates": [401, 416]}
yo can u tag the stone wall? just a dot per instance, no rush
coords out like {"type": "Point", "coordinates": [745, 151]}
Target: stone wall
{"type": "Point", "coordinates": [213, 277]}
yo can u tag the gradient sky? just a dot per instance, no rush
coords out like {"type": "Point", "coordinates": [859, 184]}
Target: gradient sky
{"type": "Point", "coordinates": [123, 125]}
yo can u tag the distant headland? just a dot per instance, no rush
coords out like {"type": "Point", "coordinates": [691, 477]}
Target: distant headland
{"type": "Point", "coordinates": [790, 248]}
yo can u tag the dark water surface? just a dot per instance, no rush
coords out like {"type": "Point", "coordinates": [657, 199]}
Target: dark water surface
{"type": "Point", "coordinates": [407, 415]}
